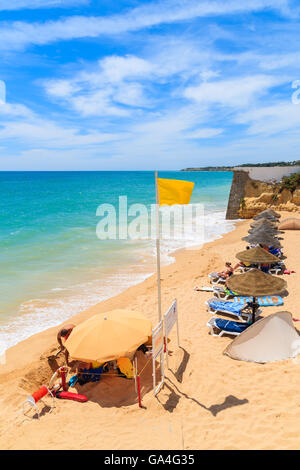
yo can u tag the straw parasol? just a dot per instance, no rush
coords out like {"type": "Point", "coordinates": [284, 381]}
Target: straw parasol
{"type": "Point", "coordinates": [263, 239]}
{"type": "Point", "coordinates": [108, 336]}
{"type": "Point", "coordinates": [264, 222]}
{"type": "Point", "coordinates": [265, 229]}
{"type": "Point", "coordinates": [267, 214]}
{"type": "Point", "coordinates": [255, 283]}
{"type": "Point", "coordinates": [257, 255]}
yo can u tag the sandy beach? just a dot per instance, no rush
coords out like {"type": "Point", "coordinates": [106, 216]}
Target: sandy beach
{"type": "Point", "coordinates": [209, 401]}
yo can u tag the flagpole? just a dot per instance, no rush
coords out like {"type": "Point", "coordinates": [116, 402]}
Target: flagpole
{"type": "Point", "coordinates": [157, 248]}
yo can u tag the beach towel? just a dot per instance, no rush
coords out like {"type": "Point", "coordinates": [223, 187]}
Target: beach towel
{"type": "Point", "coordinates": [73, 380]}
{"type": "Point", "coordinates": [230, 326]}
{"type": "Point", "coordinates": [125, 367]}
{"type": "Point", "coordinates": [226, 306]}
{"type": "Point", "coordinates": [203, 289]}
{"type": "Point", "coordinates": [229, 292]}
{"type": "Point", "coordinates": [268, 301]}
{"type": "Point", "coordinates": [90, 375]}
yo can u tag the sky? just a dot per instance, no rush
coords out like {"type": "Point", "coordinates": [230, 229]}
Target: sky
{"type": "Point", "coordinates": [144, 85]}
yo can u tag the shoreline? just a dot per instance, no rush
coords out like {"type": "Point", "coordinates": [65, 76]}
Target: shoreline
{"type": "Point", "coordinates": [30, 309]}
{"type": "Point", "coordinates": [209, 401]}
{"type": "Point", "coordinates": [25, 345]}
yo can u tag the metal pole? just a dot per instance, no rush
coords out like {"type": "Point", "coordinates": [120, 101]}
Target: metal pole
{"type": "Point", "coordinates": [139, 391]}
{"type": "Point", "coordinates": [158, 249]}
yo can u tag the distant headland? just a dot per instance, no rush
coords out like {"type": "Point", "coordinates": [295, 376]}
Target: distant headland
{"type": "Point", "coordinates": [252, 165]}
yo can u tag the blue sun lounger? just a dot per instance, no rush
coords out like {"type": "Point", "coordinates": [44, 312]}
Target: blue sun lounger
{"type": "Point", "coordinates": [224, 327]}
{"type": "Point", "coordinates": [223, 307]}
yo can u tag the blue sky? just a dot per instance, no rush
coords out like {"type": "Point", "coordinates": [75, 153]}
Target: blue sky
{"type": "Point", "coordinates": [143, 85]}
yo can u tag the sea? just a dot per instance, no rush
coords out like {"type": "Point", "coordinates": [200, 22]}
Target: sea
{"type": "Point", "coordinates": [53, 263]}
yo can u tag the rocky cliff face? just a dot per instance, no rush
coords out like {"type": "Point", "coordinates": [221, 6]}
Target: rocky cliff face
{"type": "Point", "coordinates": [258, 196]}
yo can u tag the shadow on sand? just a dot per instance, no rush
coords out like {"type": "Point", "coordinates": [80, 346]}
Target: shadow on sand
{"type": "Point", "coordinates": [173, 400]}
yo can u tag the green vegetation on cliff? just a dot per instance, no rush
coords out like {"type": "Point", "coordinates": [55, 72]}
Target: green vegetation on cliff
{"type": "Point", "coordinates": [291, 182]}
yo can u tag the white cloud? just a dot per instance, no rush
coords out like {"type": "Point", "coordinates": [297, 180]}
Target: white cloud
{"type": "Point", "coordinates": [204, 133]}
{"type": "Point", "coordinates": [271, 120]}
{"type": "Point", "coordinates": [236, 92]}
{"type": "Point", "coordinates": [17, 35]}
{"type": "Point", "coordinates": [37, 131]}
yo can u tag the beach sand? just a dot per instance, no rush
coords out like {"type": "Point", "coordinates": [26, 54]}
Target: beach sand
{"type": "Point", "coordinates": [209, 401]}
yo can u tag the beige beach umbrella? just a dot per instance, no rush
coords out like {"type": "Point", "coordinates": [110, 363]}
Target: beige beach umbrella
{"type": "Point", "coordinates": [257, 255]}
{"type": "Point", "coordinates": [255, 283]}
{"type": "Point", "coordinates": [108, 336]}
{"type": "Point", "coordinates": [290, 224]}
{"type": "Point", "coordinates": [272, 338]}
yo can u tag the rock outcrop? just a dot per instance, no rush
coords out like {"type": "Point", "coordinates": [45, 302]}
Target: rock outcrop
{"type": "Point", "coordinates": [248, 197]}
{"type": "Point", "coordinates": [259, 196]}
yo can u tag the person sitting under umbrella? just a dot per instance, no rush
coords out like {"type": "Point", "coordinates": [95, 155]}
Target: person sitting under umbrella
{"type": "Point", "coordinates": [228, 272]}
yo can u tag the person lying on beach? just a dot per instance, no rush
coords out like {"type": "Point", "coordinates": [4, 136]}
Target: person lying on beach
{"type": "Point", "coordinates": [228, 272]}
{"type": "Point", "coordinates": [64, 333]}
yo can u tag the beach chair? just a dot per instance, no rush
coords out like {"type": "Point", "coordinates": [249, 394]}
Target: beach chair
{"type": "Point", "coordinates": [222, 292]}
{"type": "Point", "coordinates": [220, 327]}
{"type": "Point", "coordinates": [225, 307]}
{"type": "Point", "coordinates": [243, 269]}
{"type": "Point", "coordinates": [277, 268]}
{"type": "Point", "coordinates": [276, 252]}
{"type": "Point", "coordinates": [216, 279]}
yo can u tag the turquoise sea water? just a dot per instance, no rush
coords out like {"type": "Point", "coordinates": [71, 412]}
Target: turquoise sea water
{"type": "Point", "coordinates": [52, 265]}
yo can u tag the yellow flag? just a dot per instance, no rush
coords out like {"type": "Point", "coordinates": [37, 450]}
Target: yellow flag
{"type": "Point", "coordinates": [174, 191]}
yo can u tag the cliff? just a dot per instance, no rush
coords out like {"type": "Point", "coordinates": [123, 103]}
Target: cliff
{"type": "Point", "coordinates": [250, 196]}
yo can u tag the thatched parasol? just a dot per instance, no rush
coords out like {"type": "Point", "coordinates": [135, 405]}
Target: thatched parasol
{"type": "Point", "coordinates": [263, 239]}
{"type": "Point", "coordinates": [255, 283]}
{"type": "Point", "coordinates": [264, 222]}
{"type": "Point", "coordinates": [265, 229]}
{"type": "Point", "coordinates": [268, 213]}
{"type": "Point", "coordinates": [257, 255]}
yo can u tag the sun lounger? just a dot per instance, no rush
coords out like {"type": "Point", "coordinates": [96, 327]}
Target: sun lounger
{"type": "Point", "coordinates": [216, 279]}
{"type": "Point", "coordinates": [225, 307]}
{"type": "Point", "coordinates": [243, 269]}
{"type": "Point", "coordinates": [275, 251]}
{"type": "Point", "coordinates": [223, 293]}
{"type": "Point", "coordinates": [220, 327]}
{"type": "Point", "coordinates": [276, 268]}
